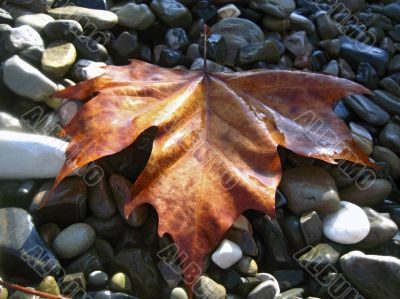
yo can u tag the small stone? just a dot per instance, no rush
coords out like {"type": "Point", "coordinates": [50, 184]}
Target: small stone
{"type": "Point", "coordinates": [332, 68]}
{"type": "Point", "coordinates": [49, 285]}
{"type": "Point", "coordinates": [74, 240]}
{"type": "Point", "coordinates": [9, 122]}
{"type": "Point", "coordinates": [348, 225]}
{"type": "Point", "coordinates": [126, 44]}
{"type": "Point", "coordinates": [73, 284]}
{"type": "Point", "coordinates": [292, 230]}
{"type": "Point", "coordinates": [227, 254]}
{"type": "Point", "coordinates": [383, 229]}
{"type": "Point", "coordinates": [301, 23]}
{"type": "Point", "coordinates": [362, 138]}
{"type": "Point", "coordinates": [65, 205]}
{"type": "Point", "coordinates": [170, 58]}
{"type": "Point", "coordinates": [367, 76]}
{"type": "Point", "coordinates": [36, 21]}
{"type": "Point", "coordinates": [120, 282]}
{"type": "Point", "coordinates": [143, 19]}
{"type": "Point", "coordinates": [176, 38]}
{"type": "Point", "coordinates": [120, 188]}
{"type": "Point", "coordinates": [178, 293]}
{"type": "Point", "coordinates": [3, 290]}
{"type": "Point", "coordinates": [87, 17]}
{"type": "Point", "coordinates": [49, 232]}
{"type": "Point", "coordinates": [311, 227]}
{"type": "Point", "coordinates": [101, 202]}
{"type": "Point", "coordinates": [97, 280]}
{"type": "Point", "coordinates": [345, 70]}
{"type": "Point", "coordinates": [288, 279]}
{"type": "Point", "coordinates": [374, 276]}
{"type": "Point", "coordinates": [271, 23]}
{"type": "Point", "coordinates": [327, 28]}
{"type": "Point", "coordinates": [321, 256]}
{"type": "Point", "coordinates": [367, 192]}
{"type": "Point", "coordinates": [279, 9]}
{"type": "Point", "coordinates": [392, 10]}
{"type": "Point", "coordinates": [298, 44]}
{"type": "Point", "coordinates": [383, 154]}
{"type": "Point", "coordinates": [206, 288]}
{"type": "Point", "coordinates": [265, 290]}
{"type": "Point", "coordinates": [21, 38]}
{"type": "Point", "coordinates": [63, 30]}
{"type": "Point", "coordinates": [229, 10]}
{"type": "Point", "coordinates": [387, 45]}
{"type": "Point", "coordinates": [27, 81]}
{"type": "Point", "coordinates": [242, 223]}
{"type": "Point", "coordinates": [308, 189]}
{"type": "Point", "coordinates": [172, 12]}
{"type": "Point", "coordinates": [367, 110]}
{"type": "Point", "coordinates": [204, 11]}
{"type": "Point", "coordinates": [260, 51]}
{"type": "Point", "coordinates": [387, 101]}
{"type": "Point", "coordinates": [244, 239]}
{"type": "Point", "coordinates": [247, 266]}
{"type": "Point", "coordinates": [237, 33]}
{"type": "Point", "coordinates": [109, 228]}
{"type": "Point", "coordinates": [29, 156]}
{"type": "Point", "coordinates": [58, 58]}
{"type": "Point", "coordinates": [85, 69]}
{"type": "Point", "coordinates": [170, 272]}
{"type": "Point", "coordinates": [90, 48]}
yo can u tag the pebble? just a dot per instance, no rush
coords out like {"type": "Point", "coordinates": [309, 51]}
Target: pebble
{"type": "Point", "coordinates": [261, 51]}
{"type": "Point", "coordinates": [288, 279]}
{"type": "Point", "coordinates": [321, 256]}
{"type": "Point", "coordinates": [9, 122]}
{"type": "Point", "coordinates": [311, 226]}
{"type": "Point", "coordinates": [244, 240]}
{"type": "Point", "coordinates": [58, 58]}
{"type": "Point", "coordinates": [21, 38]}
{"type": "Point", "coordinates": [332, 68]}
{"type": "Point", "coordinates": [206, 288]}
{"type": "Point", "coordinates": [308, 189]}
{"type": "Point", "coordinates": [362, 137]}
{"type": "Point", "coordinates": [29, 156]}
{"type": "Point", "coordinates": [89, 48]}
{"type": "Point", "coordinates": [301, 23]}
{"type": "Point", "coordinates": [374, 276]}
{"type": "Point", "coordinates": [21, 246]}
{"type": "Point", "coordinates": [172, 12]}
{"type": "Point", "coordinates": [5, 17]}
{"type": "Point", "coordinates": [265, 290]}
{"type": "Point", "coordinates": [367, 192]}
{"type": "Point", "coordinates": [100, 19]}
{"type": "Point", "coordinates": [279, 9]}
{"type": "Point", "coordinates": [345, 70]}
{"type": "Point", "coordinates": [354, 54]}
{"type": "Point", "coordinates": [49, 285]}
{"type": "Point", "coordinates": [387, 101]}
{"type": "Point", "coordinates": [120, 282]}
{"type": "Point", "coordinates": [382, 229]}
{"type": "Point", "coordinates": [367, 76]}
{"type": "Point", "coordinates": [109, 228]}
{"type": "Point", "coordinates": [97, 280]}
{"type": "Point", "coordinates": [36, 21]}
{"type": "Point", "coordinates": [390, 137]}
{"type": "Point", "coordinates": [237, 33]}
{"type": "Point", "coordinates": [139, 265]}
{"type": "Point", "coordinates": [247, 266]}
{"type": "Point", "coordinates": [178, 293]}
{"type": "Point", "coordinates": [63, 29]}
{"type": "Point", "coordinates": [229, 11]}
{"type": "Point", "coordinates": [367, 110]}
{"type": "Point", "coordinates": [74, 240]}
{"type": "Point", "coordinates": [143, 19]}
{"type": "Point", "coordinates": [85, 69]}
{"type": "Point", "coordinates": [101, 202]}
{"type": "Point", "coordinates": [34, 5]}
{"type": "Point", "coordinates": [271, 23]}
{"type": "Point", "coordinates": [25, 80]}
{"type": "Point", "coordinates": [292, 230]}
{"type": "Point", "coordinates": [383, 154]}
{"type": "Point", "coordinates": [176, 38]}
{"type": "Point", "coordinates": [298, 44]}
{"type": "Point", "coordinates": [227, 254]}
{"type": "Point", "coordinates": [348, 225]}
{"type": "Point", "coordinates": [327, 28]}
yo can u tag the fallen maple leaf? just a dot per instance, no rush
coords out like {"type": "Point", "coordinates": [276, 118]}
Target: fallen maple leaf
{"type": "Point", "coordinates": [215, 152]}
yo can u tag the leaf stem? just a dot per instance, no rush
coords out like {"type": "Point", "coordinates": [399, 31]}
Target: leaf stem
{"type": "Point", "coordinates": [29, 291]}
{"type": "Point", "coordinates": [205, 30]}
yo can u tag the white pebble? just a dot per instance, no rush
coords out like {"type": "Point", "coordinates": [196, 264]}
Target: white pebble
{"type": "Point", "coordinates": [227, 254]}
{"type": "Point", "coordinates": [348, 225]}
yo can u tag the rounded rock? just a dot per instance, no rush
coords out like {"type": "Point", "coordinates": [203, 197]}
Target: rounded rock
{"type": "Point", "coordinates": [348, 225]}
{"type": "Point", "coordinates": [58, 58]}
{"type": "Point", "coordinates": [74, 240]}
{"type": "Point", "coordinates": [120, 282]}
{"type": "Point", "coordinates": [227, 254]}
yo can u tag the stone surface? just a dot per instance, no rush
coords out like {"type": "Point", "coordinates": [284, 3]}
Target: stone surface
{"type": "Point", "coordinates": [90, 48]}
{"type": "Point", "coordinates": [97, 280]}
{"type": "Point", "coordinates": [387, 101]}
{"type": "Point", "coordinates": [63, 29]}
{"type": "Point", "coordinates": [390, 137]}
{"type": "Point", "coordinates": [348, 225]}
{"type": "Point", "coordinates": [237, 33]}
{"type": "Point", "coordinates": [100, 19]}
{"type": "Point", "coordinates": [367, 110]}
{"type": "Point", "coordinates": [373, 275]}
{"type": "Point", "coordinates": [101, 202]}
{"type": "Point", "coordinates": [279, 9]}
{"type": "Point", "coordinates": [24, 156]}
{"type": "Point", "coordinates": [74, 240]}
{"type": "Point", "coordinates": [36, 21]}
{"type": "Point", "coordinates": [260, 51]}
{"type": "Point", "coordinates": [21, 38]}
{"type": "Point", "coordinates": [120, 282]}
{"type": "Point", "coordinates": [25, 80]}
{"type": "Point", "coordinates": [109, 228]}
{"type": "Point", "coordinates": [49, 285]}
{"type": "Point", "coordinates": [265, 290]}
{"type": "Point", "coordinates": [66, 205]}
{"type": "Point", "coordinates": [85, 69]}
{"type": "Point", "coordinates": [144, 17]}
{"type": "Point", "coordinates": [308, 189]}
{"type": "Point", "coordinates": [178, 293]}
{"type": "Point", "coordinates": [320, 256]}
{"type": "Point", "coordinates": [366, 193]}
{"type": "Point", "coordinates": [9, 122]}
{"type": "Point", "coordinates": [206, 288]}
{"type": "Point", "coordinates": [362, 137]}
{"type": "Point", "coordinates": [227, 254]}
{"type": "Point", "coordinates": [311, 226]}
{"type": "Point", "coordinates": [383, 154]}
{"type": "Point", "coordinates": [21, 246]}
{"type": "Point", "coordinates": [58, 58]}
{"type": "Point", "coordinates": [382, 229]}
{"type": "Point", "coordinates": [172, 12]}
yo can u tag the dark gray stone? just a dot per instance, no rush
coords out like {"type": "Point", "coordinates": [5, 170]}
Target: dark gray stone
{"type": "Point", "coordinates": [390, 136]}
{"type": "Point", "coordinates": [367, 110]}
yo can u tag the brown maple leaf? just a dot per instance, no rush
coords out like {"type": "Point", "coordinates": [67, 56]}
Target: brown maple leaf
{"type": "Point", "coordinates": [215, 152]}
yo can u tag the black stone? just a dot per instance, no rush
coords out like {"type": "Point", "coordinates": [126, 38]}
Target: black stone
{"type": "Point", "coordinates": [5, 17]}
{"type": "Point", "coordinates": [90, 49]}
{"type": "Point", "coordinates": [205, 11]}
{"type": "Point", "coordinates": [94, 4]}
{"type": "Point", "coordinates": [292, 230]}
{"type": "Point", "coordinates": [367, 76]}
{"type": "Point", "coordinates": [343, 111]}
{"type": "Point", "coordinates": [367, 110]}
{"type": "Point", "coordinates": [387, 101]}
{"type": "Point", "coordinates": [16, 193]}
{"type": "Point", "coordinates": [170, 58]}
{"type": "Point", "coordinates": [317, 60]}
{"type": "Point", "coordinates": [288, 279]}
{"type": "Point", "coordinates": [216, 47]}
